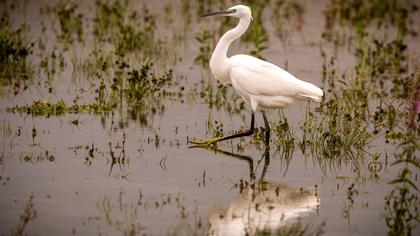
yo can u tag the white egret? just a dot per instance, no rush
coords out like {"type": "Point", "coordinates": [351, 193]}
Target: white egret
{"type": "Point", "coordinates": [261, 84]}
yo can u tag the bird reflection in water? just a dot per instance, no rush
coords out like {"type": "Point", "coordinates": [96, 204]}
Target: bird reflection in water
{"type": "Point", "coordinates": [261, 205]}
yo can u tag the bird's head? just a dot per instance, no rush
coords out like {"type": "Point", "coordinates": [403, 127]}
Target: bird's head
{"type": "Point", "coordinates": [238, 11]}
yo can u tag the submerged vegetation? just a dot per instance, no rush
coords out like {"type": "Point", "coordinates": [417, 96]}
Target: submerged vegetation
{"type": "Point", "coordinates": [402, 202]}
{"type": "Point", "coordinates": [43, 108]}
{"type": "Point", "coordinates": [361, 16]}
{"type": "Point", "coordinates": [382, 92]}
{"type": "Point", "coordinates": [126, 29]}
{"type": "Point", "coordinates": [14, 52]}
{"type": "Point", "coordinates": [287, 17]}
{"type": "Point", "coordinates": [70, 22]}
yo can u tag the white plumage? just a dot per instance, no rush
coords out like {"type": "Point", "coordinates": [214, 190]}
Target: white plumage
{"type": "Point", "coordinates": [264, 85]}
{"type": "Point", "coordinates": [261, 84]}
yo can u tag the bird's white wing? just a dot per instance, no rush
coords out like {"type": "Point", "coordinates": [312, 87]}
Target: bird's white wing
{"type": "Point", "coordinates": [257, 77]}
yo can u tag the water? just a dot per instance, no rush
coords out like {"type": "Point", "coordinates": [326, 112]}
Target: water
{"type": "Point", "coordinates": [109, 174]}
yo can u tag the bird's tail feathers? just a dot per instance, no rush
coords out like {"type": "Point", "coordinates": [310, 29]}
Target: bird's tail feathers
{"type": "Point", "coordinates": [315, 98]}
{"type": "Point", "coordinates": [312, 92]}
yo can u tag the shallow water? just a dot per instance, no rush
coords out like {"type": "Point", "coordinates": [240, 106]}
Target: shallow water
{"type": "Point", "coordinates": [109, 173]}
{"type": "Point", "coordinates": [67, 191]}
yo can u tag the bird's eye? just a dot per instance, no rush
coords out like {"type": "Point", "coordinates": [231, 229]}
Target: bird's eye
{"type": "Point", "coordinates": [233, 11]}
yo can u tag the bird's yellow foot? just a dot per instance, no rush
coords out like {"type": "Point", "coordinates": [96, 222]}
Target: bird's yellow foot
{"type": "Point", "coordinates": [206, 143]}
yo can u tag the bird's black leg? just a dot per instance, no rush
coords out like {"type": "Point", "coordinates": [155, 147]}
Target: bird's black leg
{"type": "Point", "coordinates": [246, 133]}
{"type": "Point", "coordinates": [215, 140]}
{"type": "Point", "coordinates": [267, 129]}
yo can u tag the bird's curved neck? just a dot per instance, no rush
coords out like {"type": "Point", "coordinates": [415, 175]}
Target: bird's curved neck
{"type": "Point", "coordinates": [230, 36]}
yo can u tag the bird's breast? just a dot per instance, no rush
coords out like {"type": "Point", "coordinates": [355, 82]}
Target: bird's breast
{"type": "Point", "coordinates": [220, 70]}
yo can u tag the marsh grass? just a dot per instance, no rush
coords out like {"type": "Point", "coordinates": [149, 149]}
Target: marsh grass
{"type": "Point", "coordinates": [259, 41]}
{"type": "Point", "coordinates": [214, 127]}
{"type": "Point", "coordinates": [126, 30]}
{"type": "Point", "coordinates": [364, 102]}
{"type": "Point", "coordinates": [119, 83]}
{"type": "Point", "coordinates": [60, 108]}
{"type": "Point", "coordinates": [284, 140]}
{"type": "Point", "coordinates": [257, 33]}
{"type": "Point", "coordinates": [335, 134]}
{"type": "Point", "coordinates": [51, 66]}
{"type": "Point", "coordinates": [287, 18]}
{"type": "Point", "coordinates": [384, 91]}
{"type": "Point", "coordinates": [115, 33]}
{"type": "Point", "coordinates": [14, 51]}
{"type": "Point", "coordinates": [70, 26]}
{"type": "Point", "coordinates": [402, 212]}
{"type": "Point", "coordinates": [91, 67]}
{"type": "Point", "coordinates": [218, 96]}
{"type": "Point", "coordinates": [121, 65]}
{"type": "Point", "coordinates": [359, 105]}
{"type": "Point", "coordinates": [204, 38]}
{"type": "Point", "coordinates": [143, 90]}
{"type": "Point", "coordinates": [358, 16]}
{"type": "Point", "coordinates": [63, 34]}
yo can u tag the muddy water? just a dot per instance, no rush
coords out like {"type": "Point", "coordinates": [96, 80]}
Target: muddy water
{"type": "Point", "coordinates": [109, 174]}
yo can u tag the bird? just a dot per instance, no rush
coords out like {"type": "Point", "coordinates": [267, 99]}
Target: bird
{"type": "Point", "coordinates": [261, 84]}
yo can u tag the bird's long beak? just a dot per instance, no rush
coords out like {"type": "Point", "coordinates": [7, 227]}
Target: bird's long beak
{"type": "Point", "coordinates": [224, 12]}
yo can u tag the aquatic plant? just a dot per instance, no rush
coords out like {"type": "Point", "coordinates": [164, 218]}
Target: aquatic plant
{"type": "Point", "coordinates": [402, 212]}
{"type": "Point", "coordinates": [121, 80]}
{"type": "Point", "coordinates": [218, 96]}
{"type": "Point", "coordinates": [145, 91]}
{"type": "Point", "coordinates": [257, 31]}
{"type": "Point", "coordinates": [70, 21]}
{"type": "Point", "coordinates": [287, 17]}
{"type": "Point", "coordinates": [204, 38]}
{"type": "Point", "coordinates": [259, 40]}
{"type": "Point", "coordinates": [339, 127]}
{"type": "Point", "coordinates": [14, 52]}
{"type": "Point", "coordinates": [92, 66]}
{"type": "Point", "coordinates": [364, 102]}
{"type": "Point", "coordinates": [285, 141]}
{"type": "Point", "coordinates": [51, 65]}
{"type": "Point", "coordinates": [186, 6]}
{"type": "Point", "coordinates": [359, 15]}
{"type": "Point", "coordinates": [214, 127]}
{"type": "Point", "coordinates": [335, 134]}
{"type": "Point", "coordinates": [44, 155]}
{"type": "Point", "coordinates": [127, 30]}
{"type": "Point", "coordinates": [382, 88]}
{"type": "Point", "coordinates": [44, 108]}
